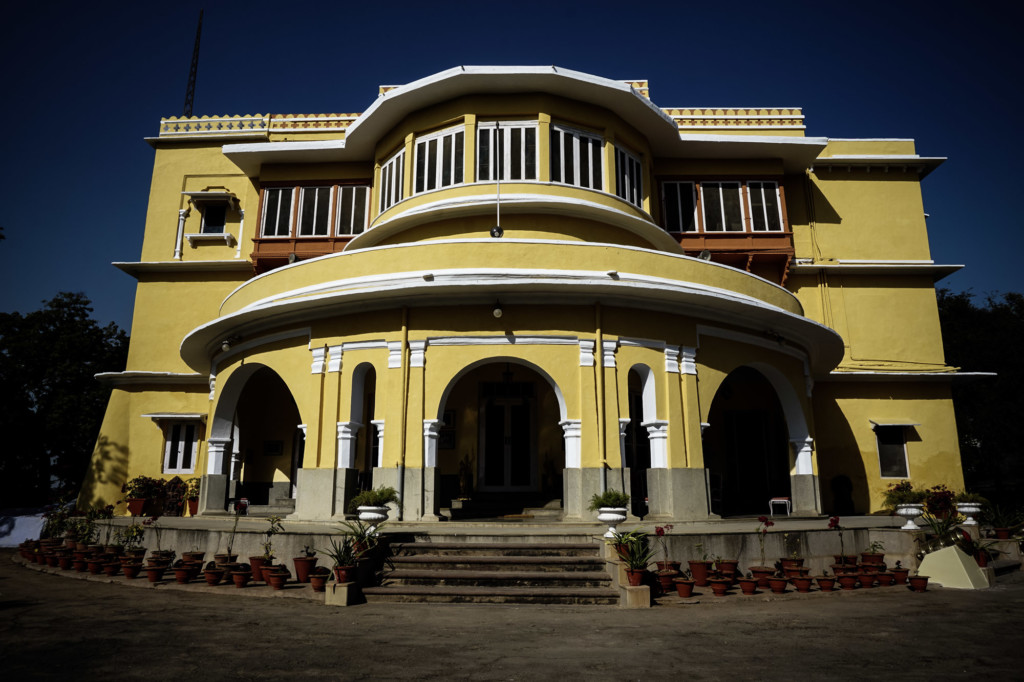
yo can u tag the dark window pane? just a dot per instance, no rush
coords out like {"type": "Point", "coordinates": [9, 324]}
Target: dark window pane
{"type": "Point", "coordinates": [687, 207]}
{"type": "Point", "coordinates": [483, 155]}
{"type": "Point", "coordinates": [345, 210]}
{"type": "Point", "coordinates": [446, 160]}
{"type": "Point", "coordinates": [712, 207]}
{"type": "Point", "coordinates": [756, 192]}
{"type": "Point", "coordinates": [431, 164]}
{"type": "Point", "coordinates": [569, 160]}
{"type": "Point", "coordinates": [556, 157]}
{"type": "Point", "coordinates": [584, 163]}
{"type": "Point", "coordinates": [515, 155]}
{"type": "Point", "coordinates": [892, 454]}
{"type": "Point", "coordinates": [733, 211]}
{"type": "Point", "coordinates": [421, 165]}
{"type": "Point", "coordinates": [214, 217]}
{"type": "Point", "coordinates": [671, 208]}
{"type": "Point", "coordinates": [459, 156]}
{"type": "Point", "coordinates": [595, 150]}
{"type": "Point", "coordinates": [359, 209]}
{"type": "Point", "coordinates": [186, 452]}
{"type": "Point", "coordinates": [531, 154]}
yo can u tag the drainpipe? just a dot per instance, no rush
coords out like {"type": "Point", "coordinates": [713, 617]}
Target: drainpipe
{"type": "Point", "coordinates": [599, 364]}
{"type": "Point", "coordinates": [405, 411]}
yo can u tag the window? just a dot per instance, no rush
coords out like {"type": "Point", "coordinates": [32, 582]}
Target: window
{"type": "Point", "coordinates": [723, 210]}
{"type": "Point", "coordinates": [180, 439]}
{"type": "Point", "coordinates": [628, 178]}
{"type": "Point", "coordinates": [391, 179]}
{"type": "Point", "coordinates": [510, 147]}
{"type": "Point", "coordinates": [214, 218]}
{"type": "Point", "coordinates": [765, 207]}
{"type": "Point", "coordinates": [353, 203]}
{"type": "Point", "coordinates": [277, 212]}
{"type": "Point", "coordinates": [892, 450]}
{"type": "Point", "coordinates": [576, 158]}
{"type": "Point", "coordinates": [440, 158]}
{"type": "Point", "coordinates": [314, 211]}
{"type": "Point", "coordinates": [679, 200]}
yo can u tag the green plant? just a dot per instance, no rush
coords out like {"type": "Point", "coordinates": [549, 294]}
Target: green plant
{"type": "Point", "coordinates": [660, 531]}
{"type": "Point", "coordinates": [704, 555]}
{"type": "Point", "coordinates": [363, 535]}
{"type": "Point", "coordinates": [342, 553]}
{"type": "Point", "coordinates": [144, 488]}
{"type": "Point", "coordinates": [972, 547]}
{"type": "Point", "coordinates": [82, 529]}
{"type": "Point", "coordinates": [940, 500]}
{"type": "Point", "coordinates": [308, 551]}
{"type": "Point", "coordinates": [379, 497]}
{"type": "Point", "coordinates": [792, 543]}
{"type": "Point", "coordinates": [273, 529]}
{"type": "Point", "coordinates": [875, 547]}
{"type": "Point", "coordinates": [131, 536]}
{"type": "Point", "coordinates": [192, 488]}
{"type": "Point", "coordinates": [174, 497]}
{"type": "Point", "coordinates": [971, 497]}
{"type": "Point", "coordinates": [615, 499]}
{"type": "Point", "coordinates": [153, 523]}
{"type": "Point", "coordinates": [635, 551]}
{"type": "Point", "coordinates": [942, 532]}
{"type": "Point", "coordinates": [902, 493]}
{"type": "Point", "coordinates": [1002, 517]}
{"type": "Point", "coordinates": [56, 519]}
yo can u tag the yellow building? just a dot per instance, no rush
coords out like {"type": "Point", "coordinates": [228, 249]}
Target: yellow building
{"type": "Point", "coordinates": [503, 288]}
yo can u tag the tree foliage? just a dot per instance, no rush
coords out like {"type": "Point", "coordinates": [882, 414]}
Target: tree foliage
{"type": "Point", "coordinates": [987, 338]}
{"type": "Point", "coordinates": [51, 405]}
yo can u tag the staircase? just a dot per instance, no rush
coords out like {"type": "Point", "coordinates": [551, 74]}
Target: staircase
{"type": "Point", "coordinates": [507, 570]}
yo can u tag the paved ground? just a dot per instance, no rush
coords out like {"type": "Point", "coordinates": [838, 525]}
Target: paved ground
{"type": "Point", "coordinates": [52, 626]}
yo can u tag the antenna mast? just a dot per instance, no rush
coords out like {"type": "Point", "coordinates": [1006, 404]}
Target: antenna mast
{"type": "Point", "coordinates": [190, 94]}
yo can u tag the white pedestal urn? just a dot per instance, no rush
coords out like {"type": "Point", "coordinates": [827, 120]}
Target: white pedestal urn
{"type": "Point", "coordinates": [611, 516]}
{"type": "Point", "coordinates": [910, 511]}
{"type": "Point", "coordinates": [373, 515]}
{"type": "Point", "coordinates": [970, 510]}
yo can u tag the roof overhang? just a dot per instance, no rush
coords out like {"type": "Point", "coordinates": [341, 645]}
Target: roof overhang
{"type": "Point", "coordinates": [935, 271]}
{"type": "Point", "coordinates": [922, 165]}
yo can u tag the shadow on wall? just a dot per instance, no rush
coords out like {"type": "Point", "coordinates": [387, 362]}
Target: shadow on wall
{"type": "Point", "coordinates": [108, 468]}
{"type": "Point", "coordinates": [844, 484]}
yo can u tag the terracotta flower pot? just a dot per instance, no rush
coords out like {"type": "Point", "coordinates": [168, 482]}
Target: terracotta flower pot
{"type": "Point", "coordinates": [845, 558]}
{"type": "Point", "coordinates": [64, 562]}
{"type": "Point", "coordinates": [80, 565]}
{"type": "Point", "coordinates": [182, 575]}
{"type": "Point", "coordinates": [801, 583]}
{"type": "Point", "coordinates": [684, 587]}
{"type": "Point", "coordinates": [748, 585]}
{"type": "Point", "coordinates": [257, 563]}
{"type": "Point", "coordinates": [761, 573]}
{"type": "Point", "coordinates": [1002, 533]}
{"type": "Point", "coordinates": [319, 581]}
{"type": "Point", "coordinates": [344, 574]}
{"type": "Point", "coordinates": [303, 565]}
{"type": "Point", "coordinates": [276, 578]}
{"type": "Point", "coordinates": [635, 576]}
{"type": "Point", "coordinates": [792, 562]}
{"type": "Point", "coordinates": [135, 505]}
{"type": "Point", "coordinates": [777, 585]}
{"type": "Point", "coordinates": [919, 583]}
{"type": "Point", "coordinates": [847, 581]}
{"type": "Point", "coordinates": [112, 568]}
{"type": "Point", "coordinates": [885, 579]}
{"type": "Point", "coordinates": [900, 575]}
{"type": "Point", "coordinates": [826, 583]}
{"type": "Point", "coordinates": [720, 586]}
{"type": "Point", "coordinates": [727, 565]}
{"type": "Point", "coordinates": [699, 570]}
{"type": "Point", "coordinates": [213, 576]}
{"type": "Point", "coordinates": [867, 579]}
{"type": "Point", "coordinates": [155, 573]}
{"type": "Point", "coordinates": [667, 565]}
{"type": "Point", "coordinates": [131, 570]}
{"type": "Point", "coordinates": [192, 556]}
{"type": "Point", "coordinates": [193, 507]}
{"type": "Point", "coordinates": [665, 578]}
{"type": "Point", "coordinates": [872, 557]}
{"type": "Point", "coordinates": [241, 578]}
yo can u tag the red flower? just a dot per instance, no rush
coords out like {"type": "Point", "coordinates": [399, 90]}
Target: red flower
{"type": "Point", "coordinates": [762, 519]}
{"type": "Point", "coordinates": [833, 523]}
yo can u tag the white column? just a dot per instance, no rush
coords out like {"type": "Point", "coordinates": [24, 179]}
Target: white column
{"type": "Point", "coordinates": [379, 423]}
{"type": "Point", "coordinates": [573, 433]}
{"type": "Point", "coordinates": [802, 449]}
{"type": "Point", "coordinates": [623, 425]}
{"type": "Point", "coordinates": [182, 214]}
{"type": "Point", "coordinates": [347, 433]}
{"type": "Point", "coordinates": [215, 449]}
{"type": "Point", "coordinates": [431, 429]}
{"type": "Point", "coordinates": [241, 232]}
{"type": "Point", "coordinates": [657, 434]}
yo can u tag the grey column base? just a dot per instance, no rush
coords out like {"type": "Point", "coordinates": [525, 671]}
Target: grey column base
{"type": "Point", "coordinates": [677, 494]}
{"type": "Point", "coordinates": [213, 494]}
{"type": "Point", "coordinates": [314, 496]}
{"type": "Point", "coordinates": [805, 494]}
{"type": "Point", "coordinates": [578, 486]}
{"type": "Point", "coordinates": [346, 486]}
{"type": "Point", "coordinates": [412, 495]}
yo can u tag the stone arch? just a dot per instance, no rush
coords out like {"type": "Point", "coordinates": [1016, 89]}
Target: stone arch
{"type": "Point", "coordinates": [498, 359]}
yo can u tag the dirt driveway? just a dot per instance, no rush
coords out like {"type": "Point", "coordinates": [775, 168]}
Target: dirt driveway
{"type": "Point", "coordinates": [56, 627]}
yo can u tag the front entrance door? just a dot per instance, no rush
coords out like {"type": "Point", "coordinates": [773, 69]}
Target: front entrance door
{"type": "Point", "coordinates": [507, 437]}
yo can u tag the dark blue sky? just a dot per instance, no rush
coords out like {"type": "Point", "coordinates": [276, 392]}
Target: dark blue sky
{"type": "Point", "coordinates": [84, 83]}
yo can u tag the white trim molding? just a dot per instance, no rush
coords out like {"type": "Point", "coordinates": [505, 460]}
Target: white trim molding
{"type": "Point", "coordinates": [672, 359]}
{"type": "Point", "coordinates": [379, 425]}
{"type": "Point", "coordinates": [215, 449]}
{"type": "Point", "coordinates": [431, 431]}
{"type": "Point", "coordinates": [688, 360]}
{"type": "Point", "coordinates": [319, 358]}
{"type": "Point", "coordinates": [802, 452]}
{"type": "Point", "coordinates": [348, 432]}
{"type": "Point", "coordinates": [608, 356]}
{"type": "Point", "coordinates": [572, 431]}
{"type": "Point", "coordinates": [417, 353]}
{"type": "Point", "coordinates": [657, 434]}
{"type": "Point", "coordinates": [394, 354]}
{"type": "Point", "coordinates": [334, 354]}
{"type": "Point", "coordinates": [587, 352]}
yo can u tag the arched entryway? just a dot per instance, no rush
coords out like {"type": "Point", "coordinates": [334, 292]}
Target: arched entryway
{"type": "Point", "coordinates": [636, 439]}
{"type": "Point", "coordinates": [746, 445]}
{"type": "Point", "coordinates": [257, 439]}
{"type": "Point", "coordinates": [500, 449]}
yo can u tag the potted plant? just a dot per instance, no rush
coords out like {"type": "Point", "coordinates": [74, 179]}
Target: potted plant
{"type": "Point", "coordinates": [345, 557]}
{"type": "Point", "coordinates": [842, 557]}
{"type": "Point", "coordinates": [794, 559]}
{"type": "Point", "coordinates": [611, 506]}
{"type": "Point", "coordinates": [847, 581]}
{"type": "Point", "coordinates": [919, 583]}
{"type": "Point", "coordinates": [318, 578]}
{"type": "Point", "coordinates": [365, 538]}
{"type": "Point", "coordinates": [304, 564]}
{"type": "Point", "coordinates": [826, 582]}
{"type": "Point", "coordinates": [664, 564]}
{"type": "Point", "coordinates": [258, 563]}
{"type": "Point", "coordinates": [131, 538]}
{"type": "Point", "coordinates": [372, 505]}
{"type": "Point", "coordinates": [229, 556]}
{"type": "Point", "coordinates": [874, 554]}
{"type": "Point", "coordinates": [1003, 521]}
{"type": "Point", "coordinates": [700, 568]}
{"type": "Point", "coordinates": [213, 574]}
{"type": "Point", "coordinates": [684, 585]}
{"type": "Point", "coordinates": [636, 555]}
{"type": "Point", "coordinates": [900, 574]}
{"type": "Point", "coordinates": [160, 554]}
{"type": "Point", "coordinates": [276, 576]}
{"type": "Point", "coordinates": [762, 571]}
{"type": "Point", "coordinates": [777, 584]}
{"type": "Point", "coordinates": [901, 499]}
{"type": "Point", "coordinates": [940, 501]}
{"type": "Point", "coordinates": [192, 495]}
{"type": "Point", "coordinates": [140, 490]}
{"type": "Point", "coordinates": [174, 497]}
{"type": "Point", "coordinates": [748, 584]}
{"type": "Point", "coordinates": [720, 586]}
{"type": "Point", "coordinates": [802, 583]}
{"type": "Point", "coordinates": [241, 575]}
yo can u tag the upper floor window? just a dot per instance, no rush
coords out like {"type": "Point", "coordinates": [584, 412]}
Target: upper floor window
{"type": "Point", "coordinates": [321, 211]}
{"type": "Point", "coordinates": [765, 207]}
{"type": "Point", "coordinates": [214, 218]}
{"type": "Point", "coordinates": [576, 158]}
{"type": "Point", "coordinates": [440, 160]}
{"type": "Point", "coordinates": [629, 178]}
{"type": "Point", "coordinates": [722, 206]}
{"type": "Point", "coordinates": [277, 211]}
{"type": "Point", "coordinates": [506, 148]}
{"type": "Point", "coordinates": [892, 450]}
{"type": "Point", "coordinates": [391, 179]}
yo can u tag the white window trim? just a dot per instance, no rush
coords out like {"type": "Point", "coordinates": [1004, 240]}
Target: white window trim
{"type": "Point", "coordinates": [291, 212]}
{"type": "Point", "coordinates": [168, 426]}
{"type": "Point", "coordinates": [597, 175]}
{"type": "Point", "coordinates": [693, 200]}
{"type": "Point", "coordinates": [764, 216]}
{"type": "Point", "coordinates": [392, 180]}
{"type": "Point", "coordinates": [721, 200]}
{"type": "Point", "coordinates": [421, 143]}
{"type": "Point", "coordinates": [505, 128]}
{"type": "Point", "coordinates": [633, 192]}
{"type": "Point", "coordinates": [336, 213]}
{"type": "Point", "coordinates": [330, 210]}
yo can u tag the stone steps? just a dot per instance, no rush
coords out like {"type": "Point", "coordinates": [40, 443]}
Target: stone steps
{"type": "Point", "coordinates": [518, 570]}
